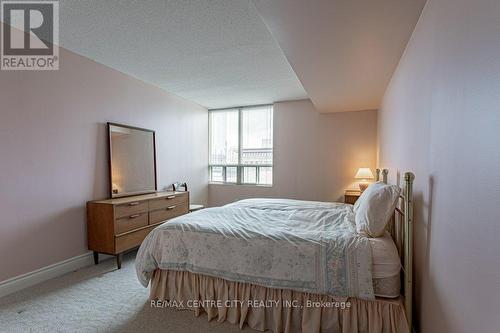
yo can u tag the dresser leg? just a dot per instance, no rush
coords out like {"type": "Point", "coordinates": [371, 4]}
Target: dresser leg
{"type": "Point", "coordinates": [119, 260]}
{"type": "Point", "coordinates": [96, 257]}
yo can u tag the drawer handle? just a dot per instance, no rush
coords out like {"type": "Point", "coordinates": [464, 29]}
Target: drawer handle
{"type": "Point", "coordinates": [133, 203]}
{"type": "Point", "coordinates": [134, 216]}
{"type": "Point", "coordinates": [171, 207]}
{"type": "Point", "coordinates": [170, 197]}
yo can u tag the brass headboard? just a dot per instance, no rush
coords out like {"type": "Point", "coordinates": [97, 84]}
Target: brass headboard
{"type": "Point", "coordinates": [401, 230]}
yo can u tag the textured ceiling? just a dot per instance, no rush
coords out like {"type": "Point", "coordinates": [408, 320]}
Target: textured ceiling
{"type": "Point", "coordinates": [217, 53]}
{"type": "Point", "coordinates": [343, 51]}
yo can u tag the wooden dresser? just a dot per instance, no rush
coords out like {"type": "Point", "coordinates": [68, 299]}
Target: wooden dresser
{"type": "Point", "coordinates": [118, 225]}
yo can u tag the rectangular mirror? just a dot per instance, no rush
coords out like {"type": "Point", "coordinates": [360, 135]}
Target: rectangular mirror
{"type": "Point", "coordinates": [132, 158]}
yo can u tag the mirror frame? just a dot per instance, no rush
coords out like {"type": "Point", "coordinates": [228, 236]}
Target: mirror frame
{"type": "Point", "coordinates": [110, 168]}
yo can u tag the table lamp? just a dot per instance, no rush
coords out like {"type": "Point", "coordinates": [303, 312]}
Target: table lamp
{"type": "Point", "coordinates": [364, 174]}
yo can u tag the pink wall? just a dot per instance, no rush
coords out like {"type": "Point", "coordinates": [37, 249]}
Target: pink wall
{"type": "Point", "coordinates": [53, 155]}
{"type": "Point", "coordinates": [441, 119]}
{"type": "Point", "coordinates": [315, 155]}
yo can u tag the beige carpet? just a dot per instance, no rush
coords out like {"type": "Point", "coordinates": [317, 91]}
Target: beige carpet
{"type": "Point", "coordinates": [97, 299]}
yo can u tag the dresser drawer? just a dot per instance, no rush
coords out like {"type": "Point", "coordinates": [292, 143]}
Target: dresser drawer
{"type": "Point", "coordinates": [131, 222]}
{"type": "Point", "coordinates": [168, 201]}
{"type": "Point", "coordinates": [131, 240]}
{"type": "Point", "coordinates": [168, 213]}
{"type": "Point", "coordinates": [130, 208]}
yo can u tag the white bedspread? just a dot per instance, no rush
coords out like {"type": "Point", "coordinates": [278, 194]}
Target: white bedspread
{"type": "Point", "coordinates": [277, 243]}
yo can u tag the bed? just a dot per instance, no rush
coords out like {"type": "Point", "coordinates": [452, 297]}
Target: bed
{"type": "Point", "coordinates": [283, 265]}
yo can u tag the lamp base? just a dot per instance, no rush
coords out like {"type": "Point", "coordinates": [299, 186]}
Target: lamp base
{"type": "Point", "coordinates": [363, 186]}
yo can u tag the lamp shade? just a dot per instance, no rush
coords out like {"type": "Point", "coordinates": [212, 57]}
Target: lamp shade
{"type": "Point", "coordinates": [364, 173]}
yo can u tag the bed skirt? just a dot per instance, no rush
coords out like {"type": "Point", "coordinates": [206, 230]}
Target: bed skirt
{"type": "Point", "coordinates": [278, 310]}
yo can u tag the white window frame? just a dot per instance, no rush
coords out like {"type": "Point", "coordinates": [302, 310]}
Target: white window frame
{"type": "Point", "coordinates": [239, 167]}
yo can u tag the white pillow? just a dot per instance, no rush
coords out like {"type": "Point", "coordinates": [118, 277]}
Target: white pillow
{"type": "Point", "coordinates": [374, 208]}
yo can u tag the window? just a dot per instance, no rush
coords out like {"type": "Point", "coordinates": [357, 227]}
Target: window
{"type": "Point", "coordinates": [241, 145]}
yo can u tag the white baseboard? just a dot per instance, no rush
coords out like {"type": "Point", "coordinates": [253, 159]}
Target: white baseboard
{"type": "Point", "coordinates": [46, 273]}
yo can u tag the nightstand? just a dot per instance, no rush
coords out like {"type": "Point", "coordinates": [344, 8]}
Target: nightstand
{"type": "Point", "coordinates": [351, 196]}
